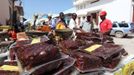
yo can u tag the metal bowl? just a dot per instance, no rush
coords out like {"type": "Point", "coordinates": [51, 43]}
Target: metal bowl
{"type": "Point", "coordinates": [64, 33]}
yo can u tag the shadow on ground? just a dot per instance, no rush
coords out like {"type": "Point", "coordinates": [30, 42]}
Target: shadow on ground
{"type": "Point", "coordinates": [130, 36]}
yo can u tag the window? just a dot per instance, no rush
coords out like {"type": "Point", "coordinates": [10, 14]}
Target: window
{"type": "Point", "coordinates": [132, 25]}
{"type": "Point", "coordinates": [114, 25]}
{"type": "Point", "coordinates": [123, 24]}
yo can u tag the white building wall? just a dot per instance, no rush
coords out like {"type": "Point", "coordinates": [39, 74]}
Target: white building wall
{"type": "Point", "coordinates": [4, 11]}
{"type": "Point", "coordinates": [118, 10]}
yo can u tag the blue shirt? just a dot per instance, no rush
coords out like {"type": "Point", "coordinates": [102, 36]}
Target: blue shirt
{"type": "Point", "coordinates": [53, 23]}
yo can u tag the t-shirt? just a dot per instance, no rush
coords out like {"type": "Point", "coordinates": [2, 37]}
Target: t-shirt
{"type": "Point", "coordinates": [105, 25]}
{"type": "Point", "coordinates": [46, 28]}
{"type": "Point", "coordinates": [86, 26]}
{"type": "Point", "coordinates": [72, 24]}
{"type": "Point", "coordinates": [53, 23]}
{"type": "Point", "coordinates": [60, 25]}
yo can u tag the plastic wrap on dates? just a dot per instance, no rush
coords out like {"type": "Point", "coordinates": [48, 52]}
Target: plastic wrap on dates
{"type": "Point", "coordinates": [24, 42]}
{"type": "Point", "coordinates": [63, 67]}
{"type": "Point", "coordinates": [36, 54]}
{"type": "Point", "coordinates": [95, 37]}
{"type": "Point", "coordinates": [68, 46]}
{"type": "Point", "coordinates": [88, 34]}
{"type": "Point", "coordinates": [113, 61]}
{"type": "Point", "coordinates": [66, 68]}
{"type": "Point", "coordinates": [4, 72]}
{"type": "Point", "coordinates": [71, 44]}
{"type": "Point", "coordinates": [86, 62]}
{"type": "Point", "coordinates": [14, 63]}
{"type": "Point", "coordinates": [110, 54]}
{"type": "Point", "coordinates": [9, 73]}
{"type": "Point", "coordinates": [107, 50]}
{"type": "Point", "coordinates": [18, 44]}
{"type": "Point", "coordinates": [46, 68]}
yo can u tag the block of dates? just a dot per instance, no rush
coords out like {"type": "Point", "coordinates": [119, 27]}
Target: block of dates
{"type": "Point", "coordinates": [86, 62]}
{"type": "Point", "coordinates": [36, 54]}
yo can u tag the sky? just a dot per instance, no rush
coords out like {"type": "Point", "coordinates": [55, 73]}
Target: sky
{"type": "Point", "coordinates": [45, 6]}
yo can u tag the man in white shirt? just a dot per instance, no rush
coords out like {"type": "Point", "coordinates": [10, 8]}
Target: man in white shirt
{"type": "Point", "coordinates": [72, 23]}
{"type": "Point", "coordinates": [86, 27]}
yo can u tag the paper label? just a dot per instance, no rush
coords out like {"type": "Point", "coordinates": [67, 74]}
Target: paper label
{"type": "Point", "coordinates": [9, 68]}
{"type": "Point", "coordinates": [93, 47]}
{"type": "Point", "coordinates": [35, 40]}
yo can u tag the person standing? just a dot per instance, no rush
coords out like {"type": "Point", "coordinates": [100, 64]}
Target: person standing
{"type": "Point", "coordinates": [35, 20]}
{"type": "Point", "coordinates": [49, 19]}
{"type": "Point", "coordinates": [72, 23]}
{"type": "Point", "coordinates": [105, 24]}
{"type": "Point", "coordinates": [86, 27]}
{"type": "Point", "coordinates": [61, 24]}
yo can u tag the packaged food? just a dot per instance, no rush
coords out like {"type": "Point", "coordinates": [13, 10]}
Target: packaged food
{"type": "Point", "coordinates": [36, 54]}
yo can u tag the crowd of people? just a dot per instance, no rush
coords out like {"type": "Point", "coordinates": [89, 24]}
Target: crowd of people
{"type": "Point", "coordinates": [86, 24]}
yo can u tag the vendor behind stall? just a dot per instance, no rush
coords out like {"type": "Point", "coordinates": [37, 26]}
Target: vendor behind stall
{"type": "Point", "coordinates": [105, 24]}
{"type": "Point", "coordinates": [61, 24]}
{"type": "Point", "coordinates": [86, 26]}
{"type": "Point", "coordinates": [72, 23]}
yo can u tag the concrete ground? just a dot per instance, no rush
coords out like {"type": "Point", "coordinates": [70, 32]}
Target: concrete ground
{"type": "Point", "coordinates": [127, 43]}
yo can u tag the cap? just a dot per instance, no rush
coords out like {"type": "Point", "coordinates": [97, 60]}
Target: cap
{"type": "Point", "coordinates": [103, 13]}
